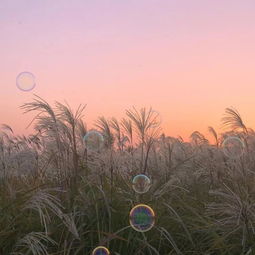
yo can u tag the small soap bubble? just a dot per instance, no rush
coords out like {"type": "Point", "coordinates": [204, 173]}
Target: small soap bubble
{"type": "Point", "coordinates": [94, 140]}
{"type": "Point", "coordinates": [25, 81]}
{"type": "Point", "coordinates": [142, 218]}
{"type": "Point", "coordinates": [100, 250]}
{"type": "Point", "coordinates": [233, 147]}
{"type": "Point", "coordinates": [141, 183]}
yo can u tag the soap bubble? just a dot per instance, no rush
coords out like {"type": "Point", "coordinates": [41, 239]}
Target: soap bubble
{"type": "Point", "coordinates": [94, 140]}
{"type": "Point", "coordinates": [141, 183]}
{"type": "Point", "coordinates": [25, 81]}
{"type": "Point", "coordinates": [142, 218]}
{"type": "Point", "coordinates": [100, 250]}
{"type": "Point", "coordinates": [233, 147]}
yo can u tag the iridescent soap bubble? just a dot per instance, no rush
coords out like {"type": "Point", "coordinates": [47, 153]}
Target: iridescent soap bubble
{"type": "Point", "coordinates": [142, 218]}
{"type": "Point", "coordinates": [94, 140]}
{"type": "Point", "coordinates": [233, 147]}
{"type": "Point", "coordinates": [25, 81]}
{"type": "Point", "coordinates": [100, 250]}
{"type": "Point", "coordinates": [141, 183]}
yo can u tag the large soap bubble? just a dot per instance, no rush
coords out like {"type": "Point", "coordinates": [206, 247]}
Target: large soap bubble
{"type": "Point", "coordinates": [94, 140]}
{"type": "Point", "coordinates": [233, 147]}
{"type": "Point", "coordinates": [141, 183]}
{"type": "Point", "coordinates": [25, 81]}
{"type": "Point", "coordinates": [142, 218]}
{"type": "Point", "coordinates": [100, 250]}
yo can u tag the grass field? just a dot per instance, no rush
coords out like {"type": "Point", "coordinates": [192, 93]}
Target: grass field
{"type": "Point", "coordinates": [60, 197]}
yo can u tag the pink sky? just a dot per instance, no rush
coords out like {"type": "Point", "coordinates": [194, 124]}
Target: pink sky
{"type": "Point", "coordinates": [189, 60]}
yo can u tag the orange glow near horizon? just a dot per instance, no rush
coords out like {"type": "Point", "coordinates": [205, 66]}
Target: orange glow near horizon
{"type": "Point", "coordinates": [189, 61]}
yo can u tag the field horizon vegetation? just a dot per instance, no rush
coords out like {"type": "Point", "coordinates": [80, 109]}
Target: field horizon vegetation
{"type": "Point", "coordinates": [60, 198]}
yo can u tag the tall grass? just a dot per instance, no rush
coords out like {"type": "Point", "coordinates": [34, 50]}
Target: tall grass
{"type": "Point", "coordinates": [57, 197]}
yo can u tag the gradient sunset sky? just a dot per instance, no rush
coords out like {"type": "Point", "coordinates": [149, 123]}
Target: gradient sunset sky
{"type": "Point", "coordinates": [189, 59]}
